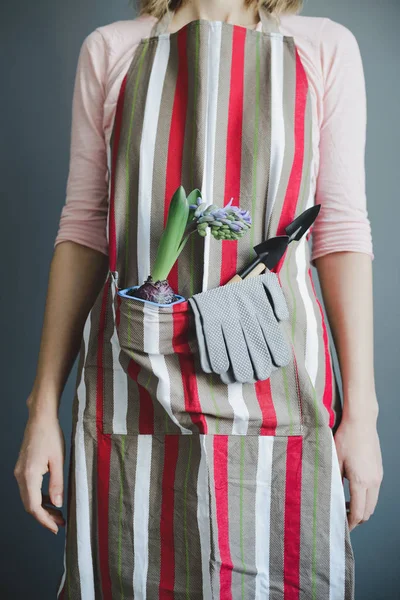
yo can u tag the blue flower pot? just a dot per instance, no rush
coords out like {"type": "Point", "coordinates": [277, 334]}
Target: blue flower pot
{"type": "Point", "coordinates": [134, 287]}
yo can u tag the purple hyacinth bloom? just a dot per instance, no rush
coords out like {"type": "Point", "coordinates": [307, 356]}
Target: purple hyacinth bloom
{"type": "Point", "coordinates": [243, 214]}
{"type": "Point", "coordinates": [237, 219]}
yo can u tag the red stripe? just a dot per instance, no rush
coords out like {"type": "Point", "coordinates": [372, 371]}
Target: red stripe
{"type": "Point", "coordinates": [181, 346]}
{"type": "Point", "coordinates": [176, 139]}
{"type": "Point", "coordinates": [291, 558]}
{"type": "Point", "coordinates": [328, 387]}
{"type": "Point", "coordinates": [222, 510]}
{"type": "Point", "coordinates": [292, 193]}
{"type": "Point", "coordinates": [146, 406]}
{"type": "Point", "coordinates": [233, 147]}
{"type": "Point", "coordinates": [173, 181]}
{"type": "Point", "coordinates": [103, 457]}
{"type": "Point", "coordinates": [167, 566]}
{"type": "Point", "coordinates": [112, 237]}
{"type": "Point", "coordinates": [264, 397]}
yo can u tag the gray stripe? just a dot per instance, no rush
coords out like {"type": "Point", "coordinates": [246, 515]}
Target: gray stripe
{"type": "Point", "coordinates": [155, 500]}
{"type": "Point", "coordinates": [120, 527]}
{"type": "Point", "coordinates": [188, 574]}
{"type": "Point", "coordinates": [289, 103]}
{"type": "Point", "coordinates": [277, 530]}
{"type": "Point", "coordinates": [242, 475]}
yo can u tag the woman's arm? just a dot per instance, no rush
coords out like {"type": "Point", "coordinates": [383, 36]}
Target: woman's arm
{"type": "Point", "coordinates": [77, 272]}
{"type": "Point", "coordinates": [346, 286]}
{"type": "Point", "coordinates": [76, 275]}
{"type": "Point", "coordinates": [342, 253]}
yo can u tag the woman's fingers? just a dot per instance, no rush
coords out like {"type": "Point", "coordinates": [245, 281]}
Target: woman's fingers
{"type": "Point", "coordinates": [360, 461]}
{"type": "Point", "coordinates": [56, 512]}
{"type": "Point", "coordinates": [357, 504]}
{"type": "Point", "coordinates": [56, 515]}
{"type": "Point", "coordinates": [56, 482]}
{"type": "Point", "coordinates": [371, 502]}
{"type": "Point", "coordinates": [42, 450]}
{"type": "Point", "coordinates": [30, 484]}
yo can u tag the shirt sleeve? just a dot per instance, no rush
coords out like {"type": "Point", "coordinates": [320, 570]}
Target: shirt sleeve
{"type": "Point", "coordinates": [84, 214]}
{"type": "Point", "coordinates": [342, 223]}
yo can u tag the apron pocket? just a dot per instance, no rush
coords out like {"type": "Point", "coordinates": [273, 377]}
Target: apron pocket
{"type": "Point", "coordinates": [145, 328]}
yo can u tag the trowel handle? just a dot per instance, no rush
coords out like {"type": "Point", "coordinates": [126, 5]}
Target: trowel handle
{"type": "Point", "coordinates": [235, 279]}
{"type": "Point", "coordinates": [258, 269]}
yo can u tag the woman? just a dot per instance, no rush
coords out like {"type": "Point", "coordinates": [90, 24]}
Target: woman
{"type": "Point", "coordinates": [181, 485]}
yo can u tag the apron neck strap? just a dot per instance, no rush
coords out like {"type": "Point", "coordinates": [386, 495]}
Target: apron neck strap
{"type": "Point", "coordinates": [269, 22]}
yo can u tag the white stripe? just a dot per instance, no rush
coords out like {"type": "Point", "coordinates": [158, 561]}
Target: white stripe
{"type": "Point", "coordinates": [159, 368]}
{"type": "Point", "coordinates": [84, 549]}
{"type": "Point", "coordinates": [158, 365]}
{"type": "Point", "coordinates": [312, 341]}
{"type": "Point", "coordinates": [337, 565]}
{"type": "Point", "coordinates": [263, 514]}
{"type": "Point", "coordinates": [207, 186]}
{"type": "Point", "coordinates": [141, 515]}
{"type": "Point", "coordinates": [109, 159]}
{"type": "Point", "coordinates": [120, 380]}
{"type": "Point", "coordinates": [151, 330]}
{"type": "Point", "coordinates": [64, 561]}
{"type": "Point", "coordinates": [203, 517]}
{"type": "Point", "coordinates": [277, 124]}
{"type": "Point", "coordinates": [312, 337]}
{"type": "Point", "coordinates": [240, 410]}
{"type": "Point", "coordinates": [147, 153]}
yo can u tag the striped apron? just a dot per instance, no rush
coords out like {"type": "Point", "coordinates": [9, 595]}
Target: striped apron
{"type": "Point", "coordinates": [181, 486]}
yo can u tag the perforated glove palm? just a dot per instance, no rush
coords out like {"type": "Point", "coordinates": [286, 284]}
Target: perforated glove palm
{"type": "Point", "coordinates": [238, 328]}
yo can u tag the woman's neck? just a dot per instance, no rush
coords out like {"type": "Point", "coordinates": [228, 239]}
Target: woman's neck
{"type": "Point", "coordinates": [231, 11]}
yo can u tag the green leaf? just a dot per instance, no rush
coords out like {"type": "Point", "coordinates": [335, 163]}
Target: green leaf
{"type": "Point", "coordinates": [167, 251]}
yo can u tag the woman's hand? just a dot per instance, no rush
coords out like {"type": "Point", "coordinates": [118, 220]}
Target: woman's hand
{"type": "Point", "coordinates": [42, 450]}
{"type": "Point", "coordinates": [360, 461]}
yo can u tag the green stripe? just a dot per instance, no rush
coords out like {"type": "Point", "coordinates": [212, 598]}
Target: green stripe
{"type": "Point", "coordinates": [241, 513]}
{"type": "Point", "coordinates": [316, 463]}
{"type": "Point", "coordinates": [192, 237]}
{"type": "Point", "coordinates": [287, 396]}
{"type": "Point", "coordinates": [314, 550]}
{"type": "Point", "coordinates": [288, 259]}
{"type": "Point", "coordinates": [120, 522]}
{"type": "Point", "coordinates": [291, 247]}
{"type": "Point", "coordinates": [185, 531]}
{"type": "Point", "coordinates": [127, 161]}
{"type": "Point", "coordinates": [294, 322]}
{"type": "Point", "coordinates": [255, 144]}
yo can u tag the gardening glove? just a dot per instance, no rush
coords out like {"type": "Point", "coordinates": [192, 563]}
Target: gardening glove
{"type": "Point", "coordinates": [238, 328]}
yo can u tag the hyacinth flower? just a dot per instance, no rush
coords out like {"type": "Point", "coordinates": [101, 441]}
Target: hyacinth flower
{"type": "Point", "coordinates": [187, 215]}
{"type": "Point", "coordinates": [227, 223]}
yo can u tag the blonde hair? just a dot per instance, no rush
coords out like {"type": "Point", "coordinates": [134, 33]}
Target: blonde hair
{"type": "Point", "coordinates": [157, 8]}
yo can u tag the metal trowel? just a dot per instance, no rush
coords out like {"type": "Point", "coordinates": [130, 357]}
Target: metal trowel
{"type": "Point", "coordinates": [271, 251]}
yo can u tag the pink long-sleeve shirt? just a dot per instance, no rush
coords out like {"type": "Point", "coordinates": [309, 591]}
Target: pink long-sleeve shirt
{"type": "Point", "coordinates": [331, 57]}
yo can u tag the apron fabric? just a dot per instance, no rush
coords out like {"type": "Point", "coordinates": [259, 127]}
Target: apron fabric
{"type": "Point", "coordinates": [181, 486]}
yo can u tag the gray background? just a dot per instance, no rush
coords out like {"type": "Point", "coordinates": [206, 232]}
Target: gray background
{"type": "Point", "coordinates": [40, 42]}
